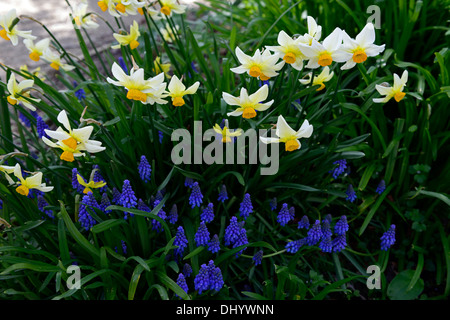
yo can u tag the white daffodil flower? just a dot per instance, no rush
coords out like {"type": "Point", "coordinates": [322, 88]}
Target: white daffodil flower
{"type": "Point", "coordinates": [314, 31]}
{"type": "Point", "coordinates": [72, 141]}
{"type": "Point", "coordinates": [126, 7]}
{"type": "Point", "coordinates": [55, 60]}
{"type": "Point", "coordinates": [323, 54]}
{"type": "Point", "coordinates": [167, 6]}
{"type": "Point", "coordinates": [248, 105]}
{"type": "Point", "coordinates": [33, 182]}
{"type": "Point", "coordinates": [6, 170]}
{"type": "Point", "coordinates": [319, 79]}
{"type": "Point", "coordinates": [225, 133]}
{"type": "Point", "coordinates": [10, 31]}
{"type": "Point", "coordinates": [110, 6]}
{"type": "Point", "coordinates": [81, 19]}
{"type": "Point", "coordinates": [263, 65]}
{"type": "Point", "coordinates": [288, 50]}
{"type": "Point", "coordinates": [177, 90]}
{"type": "Point", "coordinates": [361, 47]}
{"type": "Point", "coordinates": [396, 91]}
{"type": "Point", "coordinates": [128, 39]}
{"type": "Point", "coordinates": [147, 91]}
{"type": "Point", "coordinates": [36, 49]}
{"type": "Point", "coordinates": [168, 34]}
{"type": "Point", "coordinates": [20, 90]}
{"type": "Point", "coordinates": [288, 135]}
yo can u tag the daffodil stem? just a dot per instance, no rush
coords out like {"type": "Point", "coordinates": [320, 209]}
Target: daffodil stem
{"type": "Point", "coordinates": [363, 72]}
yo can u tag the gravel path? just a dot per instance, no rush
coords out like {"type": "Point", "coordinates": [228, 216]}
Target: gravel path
{"type": "Point", "coordinates": [55, 15]}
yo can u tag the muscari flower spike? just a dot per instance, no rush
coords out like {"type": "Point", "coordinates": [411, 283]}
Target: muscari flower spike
{"type": "Point", "coordinates": [42, 203]}
{"type": "Point", "coordinates": [214, 244]}
{"type": "Point", "coordinates": [388, 238]}
{"type": "Point", "coordinates": [341, 227]}
{"type": "Point", "coordinates": [303, 223]}
{"type": "Point", "coordinates": [173, 214]}
{"type": "Point", "coordinates": [41, 126]}
{"type": "Point", "coordinates": [257, 258]}
{"type": "Point", "coordinates": [241, 240]}
{"type": "Point", "coordinates": [156, 225]}
{"type": "Point", "coordinates": [284, 216]}
{"type": "Point", "coordinates": [116, 196]}
{"type": "Point", "coordinates": [202, 235]}
{"type": "Point", "coordinates": [273, 204]}
{"type": "Point", "coordinates": [84, 217]}
{"type": "Point", "coordinates": [326, 230]}
{"type": "Point", "coordinates": [75, 185]}
{"type": "Point", "coordinates": [80, 93]}
{"type": "Point", "coordinates": [341, 165]}
{"type": "Point", "coordinates": [105, 203]}
{"type": "Point", "coordinates": [98, 177]}
{"type": "Point", "coordinates": [207, 214]}
{"type": "Point", "coordinates": [181, 281]}
{"type": "Point", "coordinates": [127, 198]}
{"type": "Point", "coordinates": [189, 182]}
{"type": "Point", "coordinates": [294, 246]}
{"type": "Point", "coordinates": [246, 206]}
{"type": "Point", "coordinates": [187, 270]}
{"type": "Point", "coordinates": [144, 169]}
{"type": "Point", "coordinates": [314, 234]}
{"type": "Point", "coordinates": [339, 243]}
{"type": "Point", "coordinates": [351, 194]}
{"type": "Point", "coordinates": [180, 241]}
{"type": "Point", "coordinates": [381, 187]}
{"type": "Point", "coordinates": [232, 231]}
{"type": "Point", "coordinates": [223, 195]}
{"type": "Point", "coordinates": [326, 244]}
{"type": "Point", "coordinates": [196, 197]}
{"type": "Point", "coordinates": [208, 278]}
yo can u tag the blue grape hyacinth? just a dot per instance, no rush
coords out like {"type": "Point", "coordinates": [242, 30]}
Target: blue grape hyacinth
{"type": "Point", "coordinates": [341, 165]}
{"type": "Point", "coordinates": [181, 281]}
{"type": "Point", "coordinates": [314, 234]}
{"type": "Point", "coordinates": [341, 227]}
{"type": "Point", "coordinates": [326, 244]}
{"type": "Point", "coordinates": [388, 238]}
{"type": "Point", "coordinates": [180, 241]}
{"type": "Point", "coordinates": [189, 182]}
{"type": "Point", "coordinates": [351, 194]}
{"type": "Point", "coordinates": [172, 217]}
{"type": "Point", "coordinates": [84, 217]}
{"type": "Point", "coordinates": [144, 169]}
{"type": "Point", "coordinates": [207, 214]}
{"type": "Point", "coordinates": [202, 235]}
{"type": "Point", "coordinates": [223, 195]}
{"type": "Point", "coordinates": [196, 197]}
{"type": "Point", "coordinates": [273, 204]}
{"type": "Point", "coordinates": [187, 270]}
{"type": "Point", "coordinates": [284, 216]}
{"type": "Point", "coordinates": [241, 240]}
{"type": "Point", "coordinates": [214, 244]}
{"type": "Point", "coordinates": [42, 203]}
{"type": "Point", "coordinates": [127, 198]}
{"type": "Point", "coordinates": [294, 246]}
{"type": "Point", "coordinates": [303, 223]}
{"type": "Point", "coordinates": [246, 206]}
{"type": "Point", "coordinates": [156, 225]}
{"type": "Point", "coordinates": [105, 203]}
{"type": "Point", "coordinates": [208, 278]}
{"type": "Point", "coordinates": [257, 258]}
{"type": "Point", "coordinates": [381, 187]}
{"type": "Point", "coordinates": [339, 243]}
{"type": "Point", "coordinates": [326, 230]}
{"type": "Point", "coordinates": [232, 231]}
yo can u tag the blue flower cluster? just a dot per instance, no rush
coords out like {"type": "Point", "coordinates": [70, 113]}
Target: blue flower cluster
{"type": "Point", "coordinates": [321, 234]}
{"type": "Point", "coordinates": [208, 278]}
